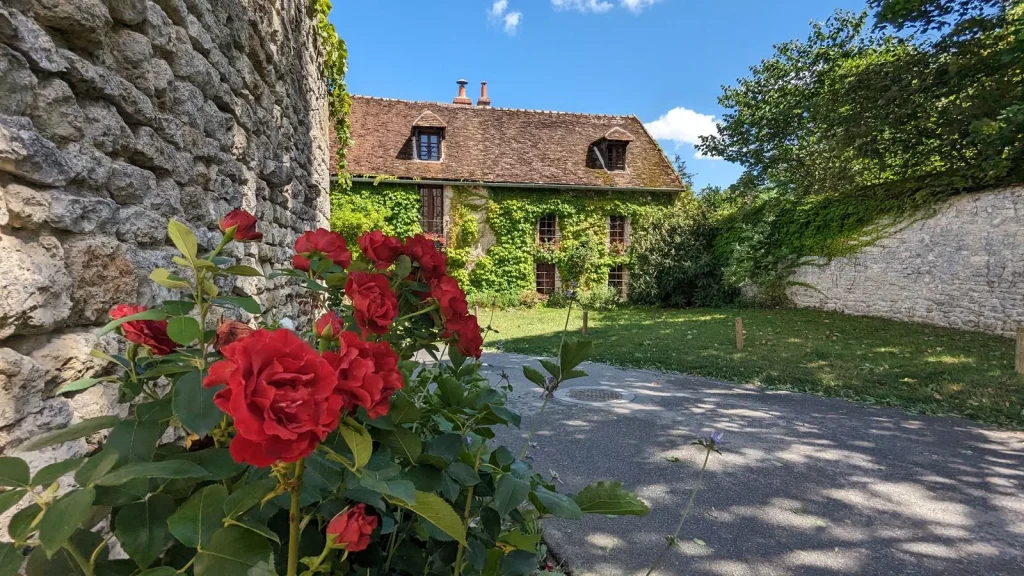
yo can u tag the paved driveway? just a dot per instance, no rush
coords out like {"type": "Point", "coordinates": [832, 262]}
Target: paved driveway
{"type": "Point", "coordinates": [806, 485]}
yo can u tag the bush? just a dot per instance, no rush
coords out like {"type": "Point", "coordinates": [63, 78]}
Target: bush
{"type": "Point", "coordinates": [599, 298]}
{"type": "Point", "coordinates": [531, 298]}
{"type": "Point", "coordinates": [327, 450]}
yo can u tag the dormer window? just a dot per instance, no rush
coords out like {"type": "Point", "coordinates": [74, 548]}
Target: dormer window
{"type": "Point", "coordinates": [616, 155]}
{"type": "Point", "coordinates": [428, 144]}
{"type": "Point", "coordinates": [609, 153]}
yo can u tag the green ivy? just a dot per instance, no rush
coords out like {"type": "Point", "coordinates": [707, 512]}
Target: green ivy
{"type": "Point", "coordinates": [382, 205]}
{"type": "Point", "coordinates": [581, 255]}
{"type": "Point", "coordinates": [335, 67]}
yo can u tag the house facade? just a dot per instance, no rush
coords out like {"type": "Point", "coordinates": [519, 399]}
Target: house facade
{"type": "Point", "coordinates": [522, 199]}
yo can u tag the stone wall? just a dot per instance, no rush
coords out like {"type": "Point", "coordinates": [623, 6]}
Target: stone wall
{"type": "Point", "coordinates": [116, 116]}
{"type": "Point", "coordinates": [961, 268]}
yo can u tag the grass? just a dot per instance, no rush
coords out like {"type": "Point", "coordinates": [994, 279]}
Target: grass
{"type": "Point", "coordinates": [918, 368]}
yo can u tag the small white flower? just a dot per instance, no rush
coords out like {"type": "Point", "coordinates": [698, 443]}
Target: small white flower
{"type": "Point", "coordinates": [287, 323]}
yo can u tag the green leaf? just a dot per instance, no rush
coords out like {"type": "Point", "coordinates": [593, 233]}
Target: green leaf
{"type": "Point", "coordinates": [610, 499]}
{"type": "Point", "coordinates": [257, 528]}
{"type": "Point", "coordinates": [557, 504]}
{"type": "Point", "coordinates": [450, 391]}
{"type": "Point", "coordinates": [82, 429]}
{"type": "Point", "coordinates": [510, 493]}
{"type": "Point", "coordinates": [388, 484]}
{"type": "Point", "coordinates": [14, 472]}
{"type": "Point", "coordinates": [96, 466]}
{"type": "Point", "coordinates": [463, 473]}
{"type": "Point", "coordinates": [447, 446]}
{"type": "Point", "coordinates": [178, 307]}
{"type": "Point", "coordinates": [571, 374]}
{"type": "Point", "coordinates": [246, 303]}
{"type": "Point", "coordinates": [435, 510]}
{"type": "Point", "coordinates": [244, 498]}
{"type": "Point", "coordinates": [551, 367]}
{"type": "Point", "coordinates": [519, 563]}
{"type": "Point", "coordinates": [63, 517]}
{"type": "Point", "coordinates": [183, 238]}
{"type": "Point", "coordinates": [135, 441]}
{"type": "Point", "coordinates": [163, 277]}
{"type": "Point", "coordinates": [142, 529]}
{"type": "Point", "coordinates": [166, 469]}
{"type": "Point", "coordinates": [402, 442]}
{"type": "Point", "coordinates": [403, 410]}
{"type": "Point", "coordinates": [357, 439]}
{"type": "Point", "coordinates": [183, 329]}
{"type": "Point", "coordinates": [517, 539]}
{"type": "Point", "coordinates": [9, 498]}
{"type": "Point", "coordinates": [242, 270]}
{"type": "Point", "coordinates": [194, 523]}
{"type": "Point", "coordinates": [160, 571]}
{"type": "Point", "coordinates": [10, 559]}
{"type": "Point", "coordinates": [151, 314]}
{"type": "Point", "coordinates": [133, 490]}
{"type": "Point", "coordinates": [534, 375]}
{"type": "Point", "coordinates": [502, 456]}
{"type": "Point", "coordinates": [50, 473]}
{"type": "Point", "coordinates": [193, 404]}
{"type": "Point", "coordinates": [217, 462]}
{"type": "Point", "coordinates": [573, 353]}
{"type": "Point", "coordinates": [82, 384]}
{"type": "Point", "coordinates": [456, 358]}
{"type": "Point", "coordinates": [233, 551]}
{"type": "Point", "coordinates": [23, 523]}
{"type": "Point", "coordinates": [155, 411]}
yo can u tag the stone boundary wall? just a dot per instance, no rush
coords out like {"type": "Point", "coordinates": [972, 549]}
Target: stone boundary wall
{"type": "Point", "coordinates": [961, 268]}
{"type": "Point", "coordinates": [116, 116]}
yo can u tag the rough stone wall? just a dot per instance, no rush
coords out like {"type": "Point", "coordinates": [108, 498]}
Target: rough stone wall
{"type": "Point", "coordinates": [116, 116]}
{"type": "Point", "coordinates": [961, 268]}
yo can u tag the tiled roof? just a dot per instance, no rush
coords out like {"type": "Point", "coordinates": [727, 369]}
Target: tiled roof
{"type": "Point", "coordinates": [501, 145]}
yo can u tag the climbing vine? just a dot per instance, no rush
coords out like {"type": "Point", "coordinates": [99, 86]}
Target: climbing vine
{"type": "Point", "coordinates": [381, 205]}
{"type": "Point", "coordinates": [335, 67]}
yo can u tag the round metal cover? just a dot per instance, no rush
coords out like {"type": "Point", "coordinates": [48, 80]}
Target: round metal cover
{"type": "Point", "coordinates": [594, 395]}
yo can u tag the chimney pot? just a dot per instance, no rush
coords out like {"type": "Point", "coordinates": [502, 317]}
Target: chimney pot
{"type": "Point", "coordinates": [483, 100]}
{"type": "Point", "coordinates": [461, 98]}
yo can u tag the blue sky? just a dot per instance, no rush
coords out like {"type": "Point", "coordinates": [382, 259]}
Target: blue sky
{"type": "Point", "coordinates": [662, 60]}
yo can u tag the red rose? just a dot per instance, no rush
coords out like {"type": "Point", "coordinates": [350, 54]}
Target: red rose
{"type": "Point", "coordinates": [280, 393]}
{"type": "Point", "coordinates": [351, 529]}
{"type": "Point", "coordinates": [367, 373]}
{"type": "Point", "coordinates": [328, 325]}
{"type": "Point", "coordinates": [374, 302]}
{"type": "Point", "coordinates": [471, 340]}
{"type": "Point", "coordinates": [323, 244]}
{"type": "Point", "coordinates": [451, 301]}
{"type": "Point", "coordinates": [149, 333]}
{"type": "Point", "coordinates": [243, 223]}
{"type": "Point", "coordinates": [380, 249]}
{"type": "Point", "coordinates": [421, 249]}
{"type": "Point", "coordinates": [229, 331]}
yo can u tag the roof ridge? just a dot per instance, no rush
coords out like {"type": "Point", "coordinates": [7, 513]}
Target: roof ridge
{"type": "Point", "coordinates": [498, 108]}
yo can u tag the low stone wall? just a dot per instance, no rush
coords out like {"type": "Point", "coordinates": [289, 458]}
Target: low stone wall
{"type": "Point", "coordinates": [116, 116]}
{"type": "Point", "coordinates": [961, 268]}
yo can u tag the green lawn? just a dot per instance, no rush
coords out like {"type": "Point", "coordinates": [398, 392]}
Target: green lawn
{"type": "Point", "coordinates": [918, 368]}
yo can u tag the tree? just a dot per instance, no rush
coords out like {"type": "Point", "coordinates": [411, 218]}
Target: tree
{"type": "Point", "coordinates": [684, 174]}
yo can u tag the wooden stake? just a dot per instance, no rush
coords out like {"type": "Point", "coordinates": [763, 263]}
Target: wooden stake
{"type": "Point", "coordinates": [476, 311]}
{"type": "Point", "coordinates": [739, 333]}
{"type": "Point", "coordinates": [586, 320]}
{"type": "Point", "coordinates": [1020, 350]}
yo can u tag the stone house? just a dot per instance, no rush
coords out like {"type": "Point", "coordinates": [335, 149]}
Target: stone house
{"type": "Point", "coordinates": [441, 149]}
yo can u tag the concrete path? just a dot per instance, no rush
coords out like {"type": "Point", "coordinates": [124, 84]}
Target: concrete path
{"type": "Point", "coordinates": [805, 485]}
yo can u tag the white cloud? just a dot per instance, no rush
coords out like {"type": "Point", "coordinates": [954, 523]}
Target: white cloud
{"type": "Point", "coordinates": [637, 6]}
{"type": "Point", "coordinates": [683, 126]}
{"type": "Point", "coordinates": [598, 6]}
{"type": "Point", "coordinates": [498, 8]}
{"type": "Point", "coordinates": [512, 22]}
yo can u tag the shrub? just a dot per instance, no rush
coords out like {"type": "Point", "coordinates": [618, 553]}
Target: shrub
{"type": "Point", "coordinates": [326, 450]}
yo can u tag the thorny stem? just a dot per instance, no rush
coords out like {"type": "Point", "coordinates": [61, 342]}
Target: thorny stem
{"type": "Point", "coordinates": [392, 544]}
{"type": "Point", "coordinates": [675, 537]}
{"type": "Point", "coordinates": [293, 520]}
{"type": "Point", "coordinates": [466, 511]}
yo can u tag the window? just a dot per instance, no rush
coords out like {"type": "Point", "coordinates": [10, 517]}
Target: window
{"type": "Point", "coordinates": [428, 145]}
{"type": "Point", "coordinates": [617, 280]}
{"type": "Point", "coordinates": [545, 277]}
{"type": "Point", "coordinates": [547, 228]}
{"type": "Point", "coordinates": [617, 229]}
{"type": "Point", "coordinates": [615, 155]}
{"type": "Point", "coordinates": [432, 209]}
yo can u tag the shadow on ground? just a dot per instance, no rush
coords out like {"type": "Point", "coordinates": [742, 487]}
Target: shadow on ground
{"type": "Point", "coordinates": [806, 485]}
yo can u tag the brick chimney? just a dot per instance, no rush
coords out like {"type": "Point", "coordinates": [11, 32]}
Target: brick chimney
{"type": "Point", "coordinates": [461, 98]}
{"type": "Point", "coordinates": [483, 100]}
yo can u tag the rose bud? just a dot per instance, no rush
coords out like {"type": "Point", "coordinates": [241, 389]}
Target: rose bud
{"type": "Point", "coordinates": [229, 331]}
{"type": "Point", "coordinates": [351, 529]}
{"type": "Point", "coordinates": [243, 223]}
{"type": "Point", "coordinates": [328, 326]}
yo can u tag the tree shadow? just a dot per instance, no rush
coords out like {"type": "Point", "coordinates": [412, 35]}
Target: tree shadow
{"type": "Point", "coordinates": [806, 485]}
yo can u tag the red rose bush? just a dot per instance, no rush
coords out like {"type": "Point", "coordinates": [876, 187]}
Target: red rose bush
{"type": "Point", "coordinates": [256, 444]}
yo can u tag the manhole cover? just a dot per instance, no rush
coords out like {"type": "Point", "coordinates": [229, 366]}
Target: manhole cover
{"type": "Point", "coordinates": [594, 395]}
